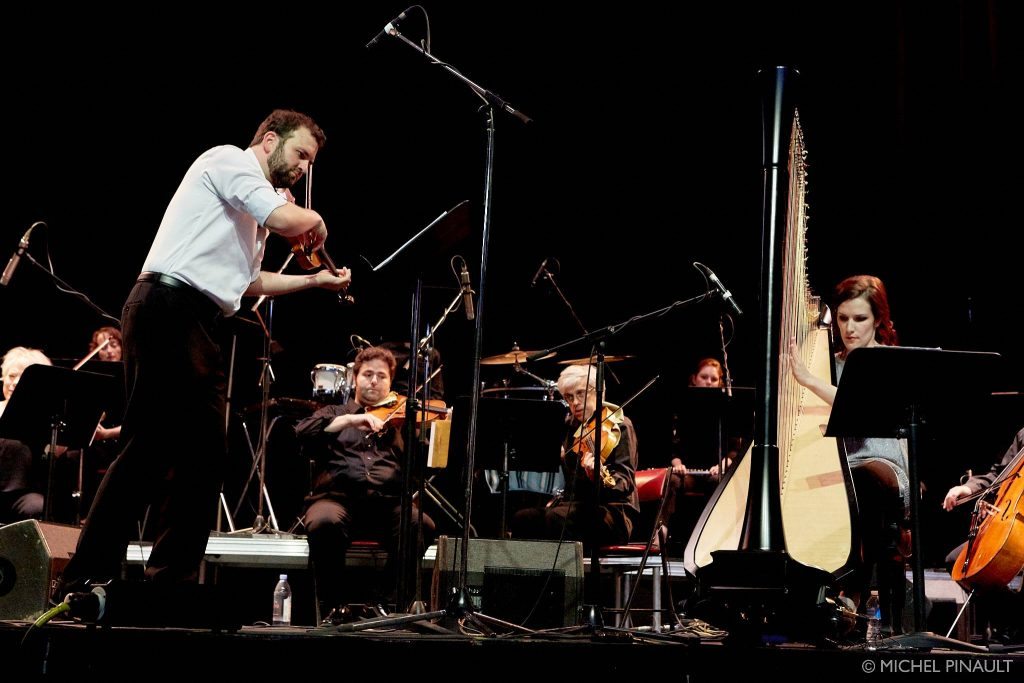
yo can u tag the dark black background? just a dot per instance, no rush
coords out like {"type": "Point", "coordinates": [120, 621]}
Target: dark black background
{"type": "Point", "coordinates": [645, 155]}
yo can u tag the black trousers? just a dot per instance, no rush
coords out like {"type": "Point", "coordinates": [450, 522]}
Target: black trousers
{"type": "Point", "coordinates": [880, 514]}
{"type": "Point", "coordinates": [333, 523]}
{"type": "Point", "coordinates": [20, 496]}
{"type": "Point", "coordinates": [613, 525]}
{"type": "Point", "coordinates": [173, 444]}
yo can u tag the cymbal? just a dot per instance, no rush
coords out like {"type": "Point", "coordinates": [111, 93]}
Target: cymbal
{"type": "Point", "coordinates": [514, 356]}
{"type": "Point", "coordinates": [588, 361]}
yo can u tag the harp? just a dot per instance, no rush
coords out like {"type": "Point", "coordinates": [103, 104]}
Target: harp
{"type": "Point", "coordinates": [779, 529]}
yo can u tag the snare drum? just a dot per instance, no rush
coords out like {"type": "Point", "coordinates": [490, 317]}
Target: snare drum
{"type": "Point", "coordinates": [333, 382]}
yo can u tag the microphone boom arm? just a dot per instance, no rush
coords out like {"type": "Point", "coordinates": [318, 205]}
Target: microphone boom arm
{"type": "Point", "coordinates": [428, 340]}
{"type": "Point", "coordinates": [483, 93]}
{"type": "Point", "coordinates": [68, 289]}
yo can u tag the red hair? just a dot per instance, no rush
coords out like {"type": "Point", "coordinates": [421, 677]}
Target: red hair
{"type": "Point", "coordinates": [872, 290]}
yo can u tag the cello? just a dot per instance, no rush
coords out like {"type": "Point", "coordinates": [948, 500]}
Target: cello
{"type": "Point", "coordinates": [994, 552]}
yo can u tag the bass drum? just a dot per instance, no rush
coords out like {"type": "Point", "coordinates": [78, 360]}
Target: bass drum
{"type": "Point", "coordinates": [333, 383]}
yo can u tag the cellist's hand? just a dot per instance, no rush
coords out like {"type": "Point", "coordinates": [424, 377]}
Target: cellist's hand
{"type": "Point", "coordinates": [953, 495]}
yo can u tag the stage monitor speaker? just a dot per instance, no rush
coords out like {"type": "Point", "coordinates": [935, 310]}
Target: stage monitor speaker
{"type": "Point", "coordinates": [32, 554]}
{"type": "Point", "coordinates": [506, 579]}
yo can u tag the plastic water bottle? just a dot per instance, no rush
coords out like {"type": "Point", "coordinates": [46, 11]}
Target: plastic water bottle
{"type": "Point", "coordinates": [282, 603]}
{"type": "Point", "coordinates": [874, 615]}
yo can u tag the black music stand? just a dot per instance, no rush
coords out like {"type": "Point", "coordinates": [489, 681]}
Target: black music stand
{"type": "Point", "coordinates": [57, 405]}
{"type": "Point", "coordinates": [519, 434]}
{"type": "Point", "coordinates": [891, 391]}
{"type": "Point", "coordinates": [706, 416]}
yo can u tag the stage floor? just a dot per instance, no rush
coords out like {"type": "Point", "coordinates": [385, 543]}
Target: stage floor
{"type": "Point", "coordinates": [72, 650]}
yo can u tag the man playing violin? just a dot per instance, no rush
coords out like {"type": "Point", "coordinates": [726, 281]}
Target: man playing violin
{"type": "Point", "coordinates": [619, 506]}
{"type": "Point", "coordinates": [206, 255]}
{"type": "Point", "coordinates": [357, 491]}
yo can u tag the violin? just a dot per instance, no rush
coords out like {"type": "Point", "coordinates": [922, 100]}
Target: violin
{"type": "Point", "coordinates": [611, 434]}
{"type": "Point", "coordinates": [391, 410]}
{"type": "Point", "coordinates": [994, 552]}
{"type": "Point", "coordinates": [310, 259]}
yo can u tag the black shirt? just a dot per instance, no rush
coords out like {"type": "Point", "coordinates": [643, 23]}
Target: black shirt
{"type": "Point", "coordinates": [351, 462]}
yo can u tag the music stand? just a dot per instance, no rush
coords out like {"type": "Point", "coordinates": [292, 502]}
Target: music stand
{"type": "Point", "coordinates": [519, 434]}
{"type": "Point", "coordinates": [706, 416]}
{"type": "Point", "coordinates": [64, 404]}
{"type": "Point", "coordinates": [888, 391]}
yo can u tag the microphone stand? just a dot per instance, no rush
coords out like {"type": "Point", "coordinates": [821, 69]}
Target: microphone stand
{"type": "Point", "coordinates": [461, 603]}
{"type": "Point", "coordinates": [727, 387]}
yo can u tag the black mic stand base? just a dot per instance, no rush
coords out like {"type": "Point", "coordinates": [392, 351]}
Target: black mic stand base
{"type": "Point", "coordinates": [461, 609]}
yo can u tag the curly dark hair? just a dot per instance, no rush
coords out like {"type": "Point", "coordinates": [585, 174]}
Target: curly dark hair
{"type": "Point", "coordinates": [375, 353]}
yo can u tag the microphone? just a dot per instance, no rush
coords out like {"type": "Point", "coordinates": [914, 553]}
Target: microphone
{"type": "Point", "coordinates": [16, 257]}
{"type": "Point", "coordinates": [388, 28]}
{"type": "Point", "coordinates": [722, 289]}
{"type": "Point", "coordinates": [536, 276]}
{"type": "Point", "coordinates": [467, 293]}
{"type": "Point", "coordinates": [358, 342]}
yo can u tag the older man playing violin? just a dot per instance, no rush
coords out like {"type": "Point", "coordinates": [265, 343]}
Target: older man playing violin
{"type": "Point", "coordinates": [619, 506]}
{"type": "Point", "coordinates": [357, 491]}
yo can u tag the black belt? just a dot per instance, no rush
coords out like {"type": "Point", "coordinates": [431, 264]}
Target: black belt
{"type": "Point", "coordinates": [168, 280]}
{"type": "Point", "coordinates": [208, 304]}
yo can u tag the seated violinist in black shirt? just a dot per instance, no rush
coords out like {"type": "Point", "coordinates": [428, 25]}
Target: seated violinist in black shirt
{"type": "Point", "coordinates": [357, 491]}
